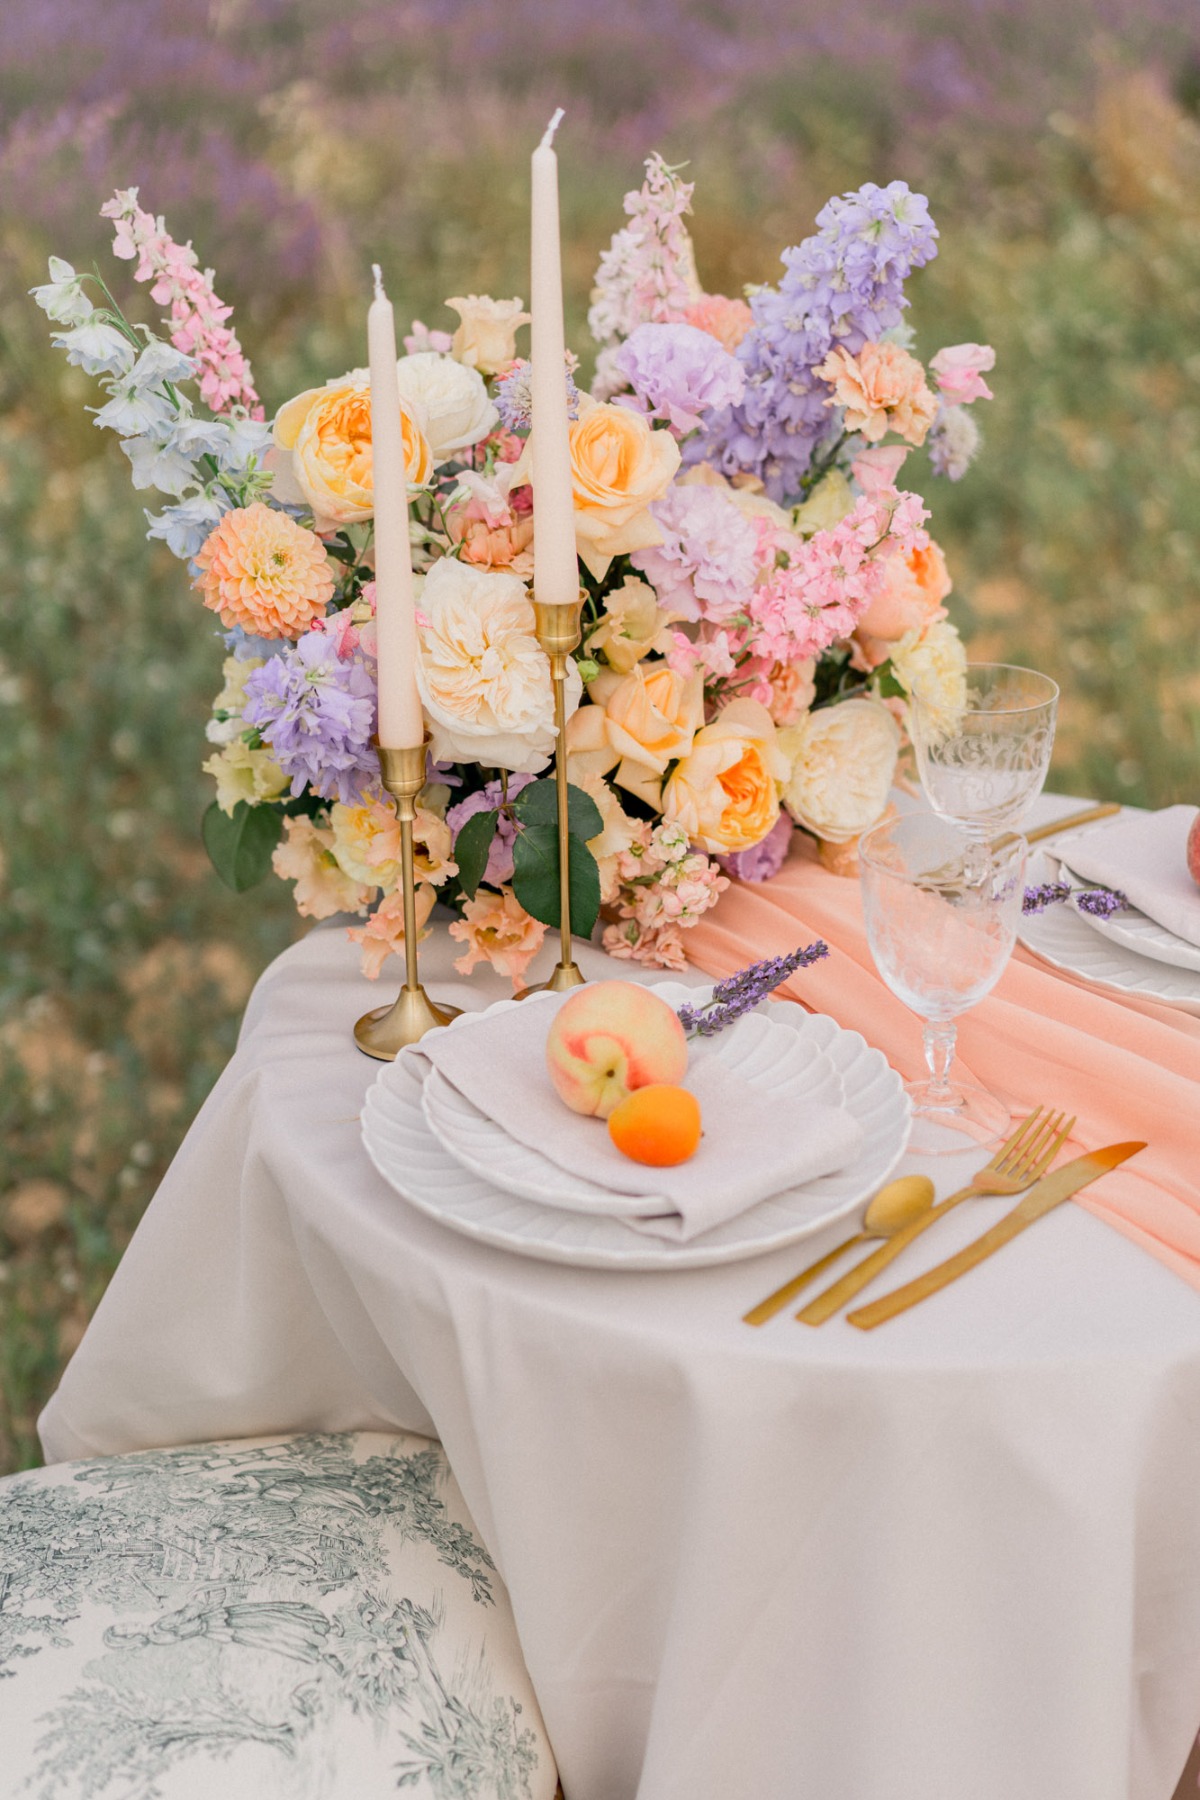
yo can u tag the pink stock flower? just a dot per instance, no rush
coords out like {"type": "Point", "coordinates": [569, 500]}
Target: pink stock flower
{"type": "Point", "coordinates": [648, 273]}
{"type": "Point", "coordinates": [959, 369]}
{"type": "Point", "coordinates": [198, 317]}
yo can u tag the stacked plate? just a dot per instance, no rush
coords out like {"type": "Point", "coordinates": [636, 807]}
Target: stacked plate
{"type": "Point", "coordinates": [452, 1162]}
{"type": "Point", "coordinates": [1131, 952]}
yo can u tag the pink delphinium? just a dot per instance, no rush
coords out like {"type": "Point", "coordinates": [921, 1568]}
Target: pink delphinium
{"type": "Point", "coordinates": [198, 317]}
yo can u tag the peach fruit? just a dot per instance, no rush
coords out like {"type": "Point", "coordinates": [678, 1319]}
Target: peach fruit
{"type": "Point", "coordinates": [1193, 850]}
{"type": "Point", "coordinates": [610, 1038]}
{"type": "Point", "coordinates": [658, 1125]}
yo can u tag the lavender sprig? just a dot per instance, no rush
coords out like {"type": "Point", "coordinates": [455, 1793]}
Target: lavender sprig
{"type": "Point", "coordinates": [741, 993]}
{"type": "Point", "coordinates": [1100, 902]}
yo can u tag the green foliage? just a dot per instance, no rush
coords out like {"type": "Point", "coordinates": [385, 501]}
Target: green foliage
{"type": "Point", "coordinates": [240, 844]}
{"type": "Point", "coordinates": [471, 848]}
{"type": "Point", "coordinates": [537, 804]}
{"type": "Point", "coordinates": [536, 882]}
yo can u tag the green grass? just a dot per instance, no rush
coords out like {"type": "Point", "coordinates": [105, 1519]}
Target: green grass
{"type": "Point", "coordinates": [1074, 544]}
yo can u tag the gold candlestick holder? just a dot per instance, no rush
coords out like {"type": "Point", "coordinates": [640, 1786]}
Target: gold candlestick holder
{"type": "Point", "coordinates": [558, 632]}
{"type": "Point", "coordinates": [385, 1032]}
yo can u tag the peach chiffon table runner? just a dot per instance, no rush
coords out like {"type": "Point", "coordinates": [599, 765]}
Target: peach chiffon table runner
{"type": "Point", "coordinates": [1126, 1070]}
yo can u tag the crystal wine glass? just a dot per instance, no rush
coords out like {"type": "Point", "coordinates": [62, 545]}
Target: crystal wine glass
{"type": "Point", "coordinates": [984, 767]}
{"type": "Point", "coordinates": [941, 912]}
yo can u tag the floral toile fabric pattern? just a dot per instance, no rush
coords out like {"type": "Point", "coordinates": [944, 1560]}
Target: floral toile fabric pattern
{"type": "Point", "coordinates": [299, 1618]}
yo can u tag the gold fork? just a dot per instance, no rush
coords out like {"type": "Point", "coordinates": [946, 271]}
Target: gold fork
{"type": "Point", "coordinates": [1020, 1161]}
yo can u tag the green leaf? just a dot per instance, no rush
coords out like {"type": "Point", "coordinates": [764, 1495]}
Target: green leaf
{"type": "Point", "coordinates": [537, 804]}
{"type": "Point", "coordinates": [535, 878]}
{"type": "Point", "coordinates": [471, 848]}
{"type": "Point", "coordinates": [240, 843]}
{"type": "Point", "coordinates": [888, 684]}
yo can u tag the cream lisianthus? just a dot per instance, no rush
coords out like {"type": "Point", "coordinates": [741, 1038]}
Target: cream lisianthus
{"type": "Point", "coordinates": [933, 663]}
{"type": "Point", "coordinates": [486, 339]}
{"type": "Point", "coordinates": [322, 455]}
{"type": "Point", "coordinates": [843, 759]}
{"type": "Point", "coordinates": [243, 773]}
{"type": "Point", "coordinates": [227, 722]}
{"type": "Point", "coordinates": [305, 856]}
{"type": "Point", "coordinates": [448, 400]}
{"type": "Point", "coordinates": [725, 793]}
{"type": "Point", "coordinates": [638, 723]}
{"type": "Point", "coordinates": [633, 626]}
{"type": "Point", "coordinates": [483, 676]}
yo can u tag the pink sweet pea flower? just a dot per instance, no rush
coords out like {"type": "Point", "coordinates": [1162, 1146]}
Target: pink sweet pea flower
{"type": "Point", "coordinates": [878, 468]}
{"type": "Point", "coordinates": [959, 370]}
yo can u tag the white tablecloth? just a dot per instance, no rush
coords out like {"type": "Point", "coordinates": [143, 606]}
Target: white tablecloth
{"type": "Point", "coordinates": [954, 1559]}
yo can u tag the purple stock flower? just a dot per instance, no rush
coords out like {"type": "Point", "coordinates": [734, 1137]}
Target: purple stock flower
{"type": "Point", "coordinates": [764, 859]}
{"type": "Point", "coordinates": [486, 799]}
{"type": "Point", "coordinates": [742, 992]}
{"type": "Point", "coordinates": [705, 566]}
{"type": "Point", "coordinates": [842, 287]}
{"type": "Point", "coordinates": [317, 714]}
{"type": "Point", "coordinates": [680, 373]}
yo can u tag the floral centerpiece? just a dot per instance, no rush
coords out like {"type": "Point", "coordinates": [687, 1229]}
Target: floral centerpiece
{"type": "Point", "coordinates": [761, 594]}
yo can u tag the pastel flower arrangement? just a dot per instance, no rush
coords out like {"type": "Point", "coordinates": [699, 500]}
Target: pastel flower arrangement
{"type": "Point", "coordinates": [761, 597]}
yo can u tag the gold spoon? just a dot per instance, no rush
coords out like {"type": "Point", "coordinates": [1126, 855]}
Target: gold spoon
{"type": "Point", "coordinates": [895, 1205]}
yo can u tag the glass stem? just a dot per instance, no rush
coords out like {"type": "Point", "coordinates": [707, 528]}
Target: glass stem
{"type": "Point", "coordinates": [939, 1054]}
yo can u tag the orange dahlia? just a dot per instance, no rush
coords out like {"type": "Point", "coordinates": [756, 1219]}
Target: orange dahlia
{"type": "Point", "coordinates": [262, 571]}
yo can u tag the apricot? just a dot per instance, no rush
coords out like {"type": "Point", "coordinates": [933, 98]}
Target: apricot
{"type": "Point", "coordinates": [659, 1125]}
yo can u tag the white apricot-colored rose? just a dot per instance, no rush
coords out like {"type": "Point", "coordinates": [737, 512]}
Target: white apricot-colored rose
{"type": "Point", "coordinates": [448, 400]}
{"type": "Point", "coordinates": [843, 760]}
{"type": "Point", "coordinates": [487, 337]}
{"type": "Point", "coordinates": [483, 676]}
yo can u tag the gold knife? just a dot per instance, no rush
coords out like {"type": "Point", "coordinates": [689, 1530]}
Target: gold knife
{"type": "Point", "coordinates": [1048, 1193]}
{"type": "Point", "coordinates": [1071, 821]}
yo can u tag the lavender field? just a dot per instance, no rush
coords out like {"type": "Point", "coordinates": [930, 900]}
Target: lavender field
{"type": "Point", "coordinates": [294, 142]}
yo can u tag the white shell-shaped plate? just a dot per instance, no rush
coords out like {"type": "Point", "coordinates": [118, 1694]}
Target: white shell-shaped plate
{"type": "Point", "coordinates": [785, 1066]}
{"type": "Point", "coordinates": [1068, 942]}
{"type": "Point", "coordinates": [409, 1157]}
{"type": "Point", "coordinates": [1134, 930]}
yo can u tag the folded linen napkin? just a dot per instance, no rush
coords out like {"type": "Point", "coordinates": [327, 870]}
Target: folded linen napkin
{"type": "Point", "coordinates": [1144, 856]}
{"type": "Point", "coordinates": [747, 1153]}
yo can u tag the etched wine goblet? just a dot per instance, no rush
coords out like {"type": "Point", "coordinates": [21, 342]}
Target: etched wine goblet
{"type": "Point", "coordinates": [983, 765]}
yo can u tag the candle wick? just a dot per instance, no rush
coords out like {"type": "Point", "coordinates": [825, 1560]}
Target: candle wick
{"type": "Point", "coordinates": [377, 272]}
{"type": "Point", "coordinates": [552, 127]}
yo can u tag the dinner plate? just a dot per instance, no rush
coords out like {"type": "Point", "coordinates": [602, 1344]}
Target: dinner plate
{"type": "Point", "coordinates": [1136, 931]}
{"type": "Point", "coordinates": [1066, 941]}
{"type": "Point", "coordinates": [785, 1066]}
{"type": "Point", "coordinates": [408, 1156]}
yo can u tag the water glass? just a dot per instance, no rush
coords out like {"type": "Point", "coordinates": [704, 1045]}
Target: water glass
{"type": "Point", "coordinates": [984, 766]}
{"type": "Point", "coordinates": [941, 913]}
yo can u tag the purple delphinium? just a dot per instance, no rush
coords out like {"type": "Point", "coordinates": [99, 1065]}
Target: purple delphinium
{"type": "Point", "coordinates": [487, 799]}
{"type": "Point", "coordinates": [679, 373]}
{"type": "Point", "coordinates": [741, 993]}
{"type": "Point", "coordinates": [842, 287]}
{"type": "Point", "coordinates": [317, 714]}
{"type": "Point", "coordinates": [764, 859]}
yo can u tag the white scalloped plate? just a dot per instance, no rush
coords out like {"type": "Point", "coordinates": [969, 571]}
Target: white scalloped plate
{"type": "Point", "coordinates": [1066, 941]}
{"type": "Point", "coordinates": [409, 1157]}
{"type": "Point", "coordinates": [1136, 931]}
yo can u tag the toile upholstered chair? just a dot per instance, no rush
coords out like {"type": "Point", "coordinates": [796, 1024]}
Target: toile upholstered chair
{"type": "Point", "coordinates": [311, 1617]}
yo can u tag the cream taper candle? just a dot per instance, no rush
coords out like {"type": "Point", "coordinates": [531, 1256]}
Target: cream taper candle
{"type": "Point", "coordinates": [401, 724]}
{"type": "Point", "coordinates": [555, 569]}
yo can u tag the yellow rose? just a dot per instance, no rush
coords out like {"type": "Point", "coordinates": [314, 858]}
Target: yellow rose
{"type": "Point", "coordinates": [618, 467]}
{"type": "Point", "coordinates": [323, 445]}
{"type": "Point", "coordinates": [842, 760]}
{"type": "Point", "coordinates": [633, 625]}
{"type": "Point", "coordinates": [725, 794]}
{"type": "Point", "coordinates": [487, 338]}
{"type": "Point", "coordinates": [641, 722]}
{"type": "Point", "coordinates": [245, 774]}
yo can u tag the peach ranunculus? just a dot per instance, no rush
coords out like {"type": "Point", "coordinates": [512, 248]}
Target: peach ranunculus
{"type": "Point", "coordinates": [843, 759]}
{"type": "Point", "coordinates": [496, 929]}
{"type": "Point", "coordinates": [483, 522]}
{"type": "Point", "coordinates": [324, 436]}
{"type": "Point", "coordinates": [261, 570]}
{"type": "Point", "coordinates": [383, 934]}
{"type": "Point", "coordinates": [725, 793]}
{"type": "Point", "coordinates": [910, 599]}
{"type": "Point", "coordinates": [633, 626]}
{"type": "Point", "coordinates": [640, 722]}
{"type": "Point", "coordinates": [305, 856]}
{"type": "Point", "coordinates": [486, 339]}
{"type": "Point", "coordinates": [882, 388]}
{"type": "Point", "coordinates": [366, 842]}
{"type": "Point", "coordinates": [484, 678]}
{"type": "Point", "coordinates": [619, 467]}
{"type": "Point", "coordinates": [726, 320]}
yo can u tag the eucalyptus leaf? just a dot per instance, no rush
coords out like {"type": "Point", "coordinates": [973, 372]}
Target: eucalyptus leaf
{"type": "Point", "coordinates": [537, 804]}
{"type": "Point", "coordinates": [471, 848]}
{"type": "Point", "coordinates": [240, 844]}
{"type": "Point", "coordinates": [535, 878]}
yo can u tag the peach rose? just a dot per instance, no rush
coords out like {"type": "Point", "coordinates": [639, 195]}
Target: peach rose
{"type": "Point", "coordinates": [323, 438]}
{"type": "Point", "coordinates": [793, 690]}
{"type": "Point", "coordinates": [487, 337]}
{"type": "Point", "coordinates": [496, 929]}
{"type": "Point", "coordinates": [842, 760]}
{"type": "Point", "coordinates": [725, 793]}
{"type": "Point", "coordinates": [633, 626]}
{"type": "Point", "coordinates": [911, 599]}
{"type": "Point", "coordinates": [383, 934]}
{"type": "Point", "coordinates": [619, 466]}
{"type": "Point", "coordinates": [640, 721]}
{"type": "Point", "coordinates": [726, 320]}
{"type": "Point", "coordinates": [882, 388]}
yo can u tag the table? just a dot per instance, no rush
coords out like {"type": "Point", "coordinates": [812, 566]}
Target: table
{"type": "Point", "coordinates": [958, 1557]}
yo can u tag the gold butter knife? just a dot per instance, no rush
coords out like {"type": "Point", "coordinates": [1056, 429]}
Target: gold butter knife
{"type": "Point", "coordinates": [1049, 1192]}
{"type": "Point", "coordinates": [1072, 820]}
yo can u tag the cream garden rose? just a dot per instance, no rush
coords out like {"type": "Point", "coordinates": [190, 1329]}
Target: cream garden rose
{"type": "Point", "coordinates": [322, 455]}
{"type": "Point", "coordinates": [366, 843]}
{"type": "Point", "coordinates": [483, 676]}
{"type": "Point", "coordinates": [448, 400]}
{"type": "Point", "coordinates": [486, 338]}
{"type": "Point", "coordinates": [842, 762]}
{"type": "Point", "coordinates": [637, 723]}
{"type": "Point", "coordinates": [725, 792]}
